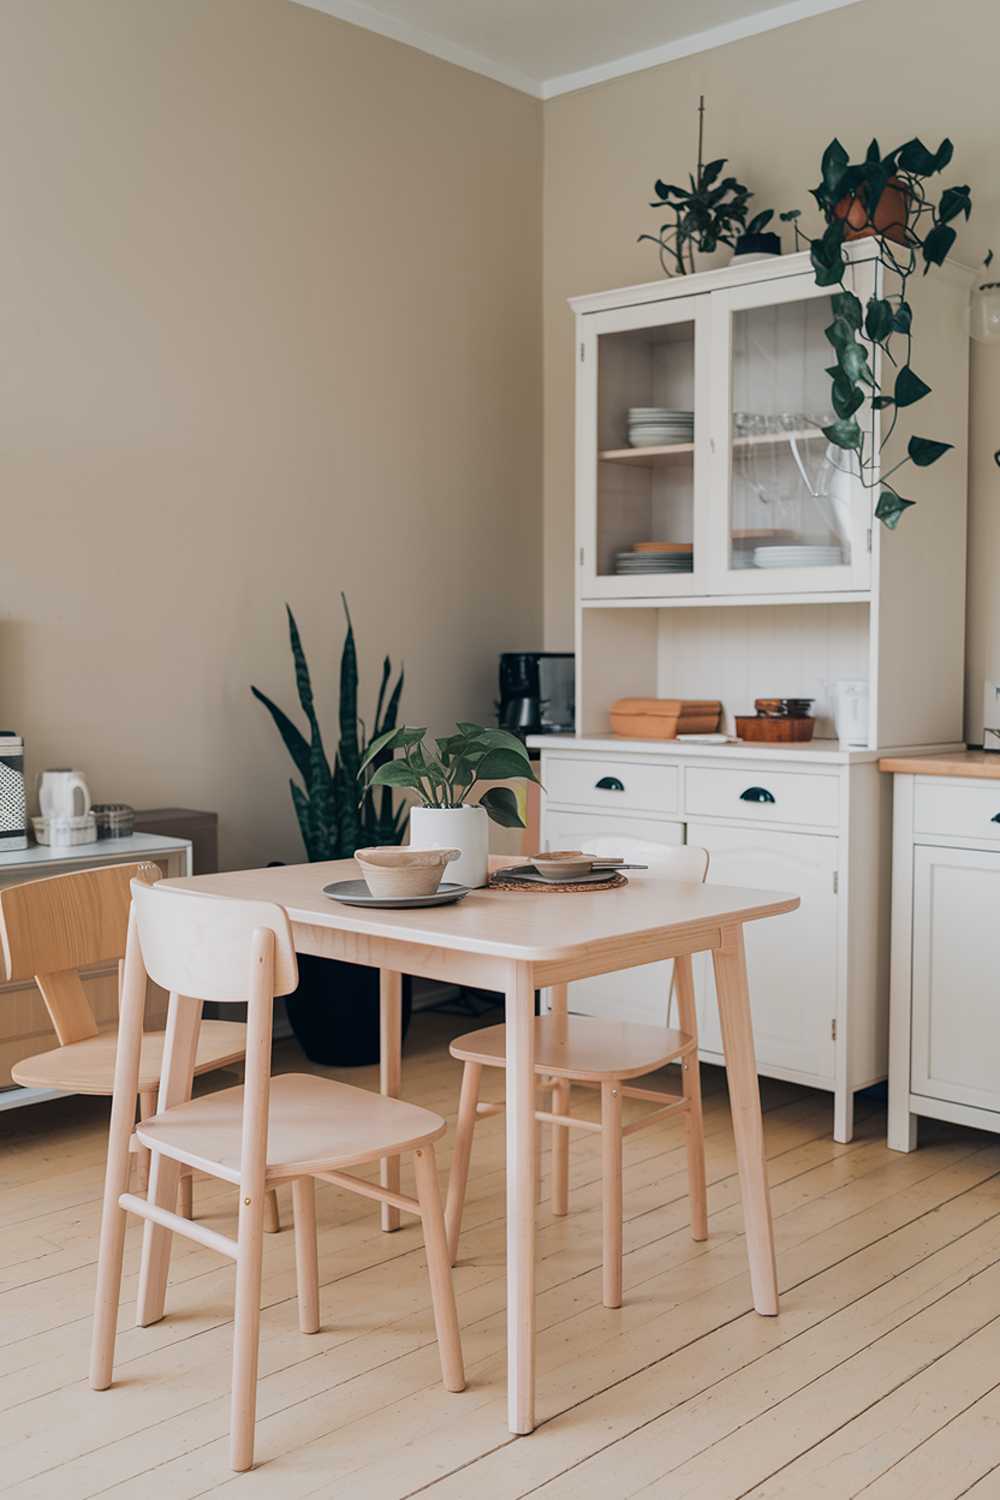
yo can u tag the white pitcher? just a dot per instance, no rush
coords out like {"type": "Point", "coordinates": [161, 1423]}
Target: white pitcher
{"type": "Point", "coordinates": [63, 794]}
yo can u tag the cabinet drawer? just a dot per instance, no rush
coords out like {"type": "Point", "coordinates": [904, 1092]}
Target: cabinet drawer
{"type": "Point", "coordinates": [762, 796]}
{"type": "Point", "coordinates": [961, 811]}
{"type": "Point", "coordinates": [607, 782]}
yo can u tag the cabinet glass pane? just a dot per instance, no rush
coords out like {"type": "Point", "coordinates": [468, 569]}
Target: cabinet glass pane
{"type": "Point", "coordinates": [645, 458]}
{"type": "Point", "coordinates": [791, 492]}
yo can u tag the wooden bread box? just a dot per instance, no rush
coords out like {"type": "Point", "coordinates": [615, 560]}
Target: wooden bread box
{"type": "Point", "coordinates": [664, 718]}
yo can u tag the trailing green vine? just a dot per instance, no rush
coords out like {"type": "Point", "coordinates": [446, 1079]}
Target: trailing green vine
{"type": "Point", "coordinates": [884, 198]}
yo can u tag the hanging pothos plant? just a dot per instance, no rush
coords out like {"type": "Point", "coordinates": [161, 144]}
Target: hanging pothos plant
{"type": "Point", "coordinates": [883, 198]}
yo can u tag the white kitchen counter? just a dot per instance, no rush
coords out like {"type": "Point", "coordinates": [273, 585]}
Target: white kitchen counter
{"type": "Point", "coordinates": [816, 752]}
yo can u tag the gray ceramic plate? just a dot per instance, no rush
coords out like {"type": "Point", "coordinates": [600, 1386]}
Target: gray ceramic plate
{"type": "Point", "coordinates": [356, 893]}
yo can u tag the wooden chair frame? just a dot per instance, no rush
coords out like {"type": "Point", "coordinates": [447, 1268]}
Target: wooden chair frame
{"type": "Point", "coordinates": [610, 1126]}
{"type": "Point", "coordinates": [52, 929]}
{"type": "Point", "coordinates": [272, 971]}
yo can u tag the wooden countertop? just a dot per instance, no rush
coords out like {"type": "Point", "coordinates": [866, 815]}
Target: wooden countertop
{"type": "Point", "coordinates": [981, 765]}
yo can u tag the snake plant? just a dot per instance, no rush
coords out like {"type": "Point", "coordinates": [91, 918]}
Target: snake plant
{"type": "Point", "coordinates": [332, 821]}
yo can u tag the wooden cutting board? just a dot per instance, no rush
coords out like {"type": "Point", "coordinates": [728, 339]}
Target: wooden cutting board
{"type": "Point", "coordinates": [664, 718]}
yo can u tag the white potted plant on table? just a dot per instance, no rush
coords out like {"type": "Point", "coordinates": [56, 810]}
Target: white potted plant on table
{"type": "Point", "coordinates": [444, 779]}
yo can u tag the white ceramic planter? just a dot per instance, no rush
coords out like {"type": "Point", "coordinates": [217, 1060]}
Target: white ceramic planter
{"type": "Point", "coordinates": [464, 828]}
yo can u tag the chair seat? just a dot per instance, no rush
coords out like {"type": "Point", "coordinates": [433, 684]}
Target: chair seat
{"type": "Point", "coordinates": [315, 1125]}
{"type": "Point", "coordinates": [583, 1048]}
{"type": "Point", "coordinates": [89, 1067]}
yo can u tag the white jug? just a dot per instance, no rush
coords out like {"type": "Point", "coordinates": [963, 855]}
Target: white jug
{"type": "Point", "coordinates": [850, 711]}
{"type": "Point", "coordinates": [63, 794]}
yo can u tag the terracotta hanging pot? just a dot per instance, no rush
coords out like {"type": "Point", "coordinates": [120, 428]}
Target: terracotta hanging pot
{"type": "Point", "coordinates": [890, 213]}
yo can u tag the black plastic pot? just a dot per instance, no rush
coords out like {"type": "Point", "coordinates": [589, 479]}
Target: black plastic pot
{"type": "Point", "coordinates": [757, 244]}
{"type": "Point", "coordinates": [335, 1012]}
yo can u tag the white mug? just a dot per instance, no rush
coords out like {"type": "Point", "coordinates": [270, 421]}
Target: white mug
{"type": "Point", "coordinates": [57, 794]}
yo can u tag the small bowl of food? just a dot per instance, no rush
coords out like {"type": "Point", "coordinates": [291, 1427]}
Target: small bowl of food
{"type": "Point", "coordinates": [394, 871]}
{"type": "Point", "coordinates": [563, 864]}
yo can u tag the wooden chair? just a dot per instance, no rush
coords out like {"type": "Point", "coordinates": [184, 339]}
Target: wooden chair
{"type": "Point", "coordinates": [292, 1129]}
{"type": "Point", "coordinates": [602, 1054]}
{"type": "Point", "coordinates": [49, 931]}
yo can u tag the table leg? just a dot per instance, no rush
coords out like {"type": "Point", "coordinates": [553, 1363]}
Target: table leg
{"type": "Point", "coordinates": [390, 1069]}
{"type": "Point", "coordinates": [180, 1048]}
{"type": "Point", "coordinates": [748, 1127]}
{"type": "Point", "coordinates": [520, 1112]}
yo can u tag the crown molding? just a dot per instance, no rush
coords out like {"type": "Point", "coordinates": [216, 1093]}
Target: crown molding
{"type": "Point", "coordinates": [371, 18]}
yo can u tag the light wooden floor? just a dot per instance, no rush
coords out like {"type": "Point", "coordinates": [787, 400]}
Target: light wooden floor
{"type": "Point", "coordinates": [880, 1377]}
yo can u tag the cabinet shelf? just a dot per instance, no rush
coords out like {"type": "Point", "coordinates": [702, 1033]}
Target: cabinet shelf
{"type": "Point", "coordinates": [645, 457]}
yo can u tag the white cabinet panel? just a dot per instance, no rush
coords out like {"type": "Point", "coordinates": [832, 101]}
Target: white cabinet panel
{"type": "Point", "coordinates": [611, 783]}
{"type": "Point", "coordinates": [760, 794]}
{"type": "Point", "coordinates": [956, 809]}
{"type": "Point", "coordinates": [792, 960]}
{"type": "Point", "coordinates": [955, 1047]}
{"type": "Point", "coordinates": [635, 994]}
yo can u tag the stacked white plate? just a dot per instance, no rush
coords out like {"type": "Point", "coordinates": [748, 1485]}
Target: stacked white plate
{"type": "Point", "coordinates": [654, 562]}
{"type": "Point", "coordinates": [802, 556]}
{"type": "Point", "coordinates": [659, 426]}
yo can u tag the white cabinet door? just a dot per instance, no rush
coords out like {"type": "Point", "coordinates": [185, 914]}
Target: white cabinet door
{"type": "Point", "coordinates": [634, 994]}
{"type": "Point", "coordinates": [955, 1044]}
{"type": "Point", "coordinates": [792, 960]}
{"type": "Point", "coordinates": [791, 514]}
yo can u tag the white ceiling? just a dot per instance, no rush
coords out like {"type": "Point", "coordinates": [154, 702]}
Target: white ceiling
{"type": "Point", "coordinates": [548, 47]}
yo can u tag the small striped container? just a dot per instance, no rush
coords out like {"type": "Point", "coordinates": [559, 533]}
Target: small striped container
{"type": "Point", "coordinates": [13, 809]}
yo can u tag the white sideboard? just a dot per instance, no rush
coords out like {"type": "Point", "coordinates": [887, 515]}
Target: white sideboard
{"type": "Point", "coordinates": [944, 1059]}
{"type": "Point", "coordinates": [25, 1027]}
{"type": "Point", "coordinates": [813, 819]}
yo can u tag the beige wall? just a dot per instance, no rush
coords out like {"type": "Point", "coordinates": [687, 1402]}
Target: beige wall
{"type": "Point", "coordinates": [889, 68]}
{"type": "Point", "coordinates": [270, 327]}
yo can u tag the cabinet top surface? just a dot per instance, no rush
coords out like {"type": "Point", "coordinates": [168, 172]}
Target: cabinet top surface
{"type": "Point", "coordinates": [523, 926]}
{"type": "Point", "coordinates": [136, 846]}
{"type": "Point", "coordinates": [817, 752]}
{"type": "Point", "coordinates": [981, 765]}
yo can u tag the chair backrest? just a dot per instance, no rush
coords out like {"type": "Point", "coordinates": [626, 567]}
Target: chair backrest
{"type": "Point", "coordinates": [200, 945]}
{"type": "Point", "coordinates": [677, 861]}
{"type": "Point", "coordinates": [50, 929]}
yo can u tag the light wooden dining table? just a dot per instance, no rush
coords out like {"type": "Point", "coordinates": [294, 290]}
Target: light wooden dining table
{"type": "Point", "coordinates": [516, 943]}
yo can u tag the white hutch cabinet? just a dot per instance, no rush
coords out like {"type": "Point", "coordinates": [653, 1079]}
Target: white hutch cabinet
{"type": "Point", "coordinates": [790, 586]}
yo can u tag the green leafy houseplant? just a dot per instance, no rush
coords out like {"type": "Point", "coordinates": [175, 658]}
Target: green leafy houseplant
{"type": "Point", "coordinates": [332, 821]}
{"type": "Point", "coordinates": [445, 778]}
{"type": "Point", "coordinates": [883, 198]}
{"type": "Point", "coordinates": [335, 1010]}
{"type": "Point", "coordinates": [710, 212]}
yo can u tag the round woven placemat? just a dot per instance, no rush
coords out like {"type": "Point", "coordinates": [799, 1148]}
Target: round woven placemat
{"type": "Point", "coordinates": [498, 883]}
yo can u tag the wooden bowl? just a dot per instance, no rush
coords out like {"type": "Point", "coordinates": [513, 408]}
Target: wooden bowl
{"type": "Point", "coordinates": [392, 871]}
{"type": "Point", "coordinates": [755, 728]}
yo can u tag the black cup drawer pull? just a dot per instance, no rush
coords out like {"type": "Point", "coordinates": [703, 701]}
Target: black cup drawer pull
{"type": "Point", "coordinates": [756, 794]}
{"type": "Point", "coordinates": [995, 818]}
{"type": "Point", "coordinates": [609, 784]}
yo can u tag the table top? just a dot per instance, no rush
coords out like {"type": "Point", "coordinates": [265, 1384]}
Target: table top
{"type": "Point", "coordinates": [529, 926]}
{"type": "Point", "coordinates": [983, 765]}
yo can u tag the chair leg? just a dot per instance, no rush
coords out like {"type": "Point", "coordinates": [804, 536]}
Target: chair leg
{"type": "Point", "coordinates": [691, 1082]}
{"type": "Point", "coordinates": [272, 1214]}
{"type": "Point", "coordinates": [147, 1107]}
{"type": "Point", "coordinates": [611, 1163]}
{"type": "Point", "coordinates": [459, 1174]}
{"type": "Point", "coordinates": [185, 1196]}
{"type": "Point", "coordinates": [132, 990]}
{"type": "Point", "coordinates": [306, 1255]}
{"type": "Point", "coordinates": [246, 1333]}
{"type": "Point", "coordinates": [560, 1149]}
{"type": "Point", "coordinates": [439, 1270]}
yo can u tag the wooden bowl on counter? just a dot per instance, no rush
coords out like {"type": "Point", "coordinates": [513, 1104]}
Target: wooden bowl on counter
{"type": "Point", "coordinates": [757, 729]}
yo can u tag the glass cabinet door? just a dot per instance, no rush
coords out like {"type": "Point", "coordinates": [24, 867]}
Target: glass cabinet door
{"type": "Point", "coordinates": [642, 454]}
{"type": "Point", "coordinates": [794, 516]}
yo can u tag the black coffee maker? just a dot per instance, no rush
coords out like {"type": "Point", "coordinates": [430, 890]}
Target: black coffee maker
{"type": "Point", "coordinates": [537, 692]}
